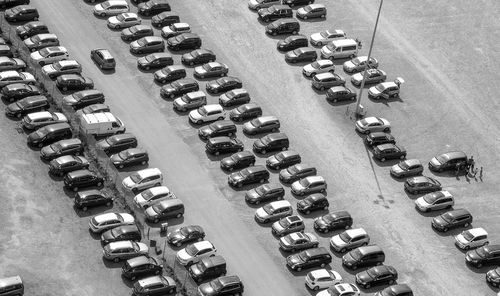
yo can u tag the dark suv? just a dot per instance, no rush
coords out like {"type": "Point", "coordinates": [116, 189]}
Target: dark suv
{"type": "Point", "coordinates": [389, 151]}
{"type": "Point", "coordinates": [153, 7]}
{"type": "Point", "coordinates": [275, 12]}
{"type": "Point", "coordinates": [485, 255]}
{"type": "Point", "coordinates": [250, 175]}
{"type": "Point", "coordinates": [220, 145]}
{"type": "Point", "coordinates": [124, 232]}
{"type": "Point", "coordinates": [103, 58]}
{"type": "Point", "coordinates": [84, 98]}
{"type": "Point", "coordinates": [184, 41]}
{"type": "Point", "coordinates": [81, 179]}
{"type": "Point", "coordinates": [12, 3]}
{"type": "Point", "coordinates": [31, 29]}
{"type": "Point", "coordinates": [27, 105]}
{"type": "Point", "coordinates": [309, 258]}
{"type": "Point", "coordinates": [117, 143]}
{"type": "Point", "coordinates": [293, 3]}
{"type": "Point", "coordinates": [17, 91]}
{"type": "Point", "coordinates": [63, 147]}
{"type": "Point", "coordinates": [179, 87]}
{"type": "Point", "coordinates": [333, 221]}
{"type": "Point", "coordinates": [452, 219]}
{"type": "Point", "coordinates": [448, 161]}
{"type": "Point", "coordinates": [234, 97]}
{"type": "Point", "coordinates": [238, 160]}
{"type": "Point", "coordinates": [224, 285]}
{"type": "Point", "coordinates": [217, 129]}
{"type": "Point", "coordinates": [92, 198]}
{"type": "Point", "coordinates": [74, 82]}
{"type": "Point", "coordinates": [271, 142]}
{"type": "Point", "coordinates": [66, 164]}
{"type": "Point", "coordinates": [292, 42]}
{"type": "Point", "coordinates": [296, 172]}
{"type": "Point", "coordinates": [141, 266]}
{"type": "Point", "coordinates": [312, 203]}
{"type": "Point", "coordinates": [266, 192]}
{"type": "Point", "coordinates": [164, 19]}
{"type": "Point", "coordinates": [283, 159]}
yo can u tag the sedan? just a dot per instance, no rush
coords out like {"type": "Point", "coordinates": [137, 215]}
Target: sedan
{"type": "Point", "coordinates": [326, 80]}
{"type": "Point", "coordinates": [7, 64]}
{"type": "Point", "coordinates": [341, 290]}
{"type": "Point", "coordinates": [263, 193]}
{"type": "Point", "coordinates": [207, 113]}
{"type": "Point", "coordinates": [194, 252]}
{"type": "Point", "coordinates": [322, 279]}
{"type": "Point", "coordinates": [67, 163]}
{"type": "Point", "coordinates": [136, 32]}
{"type": "Point", "coordinates": [349, 239]}
{"type": "Point", "coordinates": [10, 77]}
{"type": "Point", "coordinates": [389, 151]}
{"type": "Point", "coordinates": [214, 69]}
{"type": "Point", "coordinates": [223, 85]}
{"type": "Point", "coordinates": [124, 20]}
{"type": "Point", "coordinates": [107, 221]}
{"type": "Point", "coordinates": [407, 168]}
{"type": "Point", "coordinates": [358, 64]}
{"type": "Point", "coordinates": [323, 37]}
{"type": "Point", "coordinates": [378, 275]}
{"type": "Point", "coordinates": [318, 67]}
{"type": "Point", "coordinates": [297, 241]}
{"type": "Point", "coordinates": [340, 93]}
{"type": "Point", "coordinates": [129, 157]}
{"type": "Point", "coordinates": [435, 201]}
{"type": "Point", "coordinates": [148, 44]}
{"type": "Point", "coordinates": [373, 124]}
{"type": "Point", "coordinates": [74, 82]}
{"type": "Point", "coordinates": [185, 234]}
{"type": "Point", "coordinates": [372, 76]}
{"type": "Point", "coordinates": [239, 160]}
{"type": "Point", "coordinates": [198, 56]}
{"type": "Point", "coordinates": [422, 184]}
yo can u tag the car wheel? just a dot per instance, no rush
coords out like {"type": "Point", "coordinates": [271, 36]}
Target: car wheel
{"type": "Point", "coordinates": [305, 17]}
{"type": "Point", "coordinates": [65, 88]}
{"type": "Point", "coordinates": [323, 265]}
{"type": "Point", "coordinates": [402, 157]}
{"type": "Point", "coordinates": [322, 88]}
{"type": "Point", "coordinates": [299, 269]}
{"type": "Point", "coordinates": [99, 184]}
{"type": "Point", "coordinates": [467, 248]}
{"type": "Point", "coordinates": [117, 27]}
{"type": "Point", "coordinates": [342, 250]}
{"type": "Point", "coordinates": [103, 14]}
{"type": "Point", "coordinates": [40, 145]}
{"type": "Point", "coordinates": [170, 291]}
{"type": "Point", "coordinates": [256, 202]}
{"type": "Point", "coordinates": [277, 167]}
{"type": "Point", "coordinates": [100, 66]}
{"type": "Point", "coordinates": [35, 18]}
{"type": "Point", "coordinates": [116, 260]}
{"type": "Point", "coordinates": [445, 229]}
{"type": "Point", "coordinates": [316, 288]}
{"type": "Point", "coordinates": [132, 278]}
{"type": "Point", "coordinates": [18, 115]}
{"type": "Point", "coordinates": [280, 198]}
{"type": "Point", "coordinates": [156, 220]}
{"type": "Point", "coordinates": [266, 221]}
{"type": "Point", "coordinates": [323, 15]}
{"type": "Point", "coordinates": [367, 286]}
{"type": "Point", "coordinates": [120, 166]}
{"type": "Point", "coordinates": [365, 244]}
{"type": "Point", "coordinates": [108, 204]}
{"type": "Point", "coordinates": [354, 267]}
{"type": "Point", "coordinates": [239, 185]}
{"type": "Point", "coordinates": [220, 118]}
{"type": "Point", "coordinates": [263, 151]}
{"type": "Point", "coordinates": [217, 153]}
{"type": "Point", "coordinates": [172, 96]}
{"type": "Point", "coordinates": [85, 209]}
{"type": "Point", "coordinates": [466, 224]}
{"type": "Point", "coordinates": [178, 215]}
{"type": "Point", "coordinates": [325, 208]}
{"type": "Point", "coordinates": [75, 189]}
{"type": "Point", "coordinates": [199, 122]}
{"type": "Point", "coordinates": [147, 67]}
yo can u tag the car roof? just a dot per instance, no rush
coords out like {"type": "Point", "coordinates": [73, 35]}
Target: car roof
{"type": "Point", "coordinates": [457, 212]}
{"type": "Point", "coordinates": [9, 73]}
{"type": "Point", "coordinates": [13, 280]}
{"type": "Point", "coordinates": [121, 244]}
{"type": "Point", "coordinates": [159, 190]}
{"type": "Point", "coordinates": [175, 68]}
{"type": "Point", "coordinates": [222, 123]}
{"type": "Point", "coordinates": [320, 273]}
{"type": "Point", "coordinates": [316, 5]}
{"type": "Point", "coordinates": [356, 232]}
{"type": "Point", "coordinates": [162, 54]}
{"type": "Point", "coordinates": [68, 63]}
{"type": "Point", "coordinates": [302, 166]}
{"type": "Point", "coordinates": [137, 261]}
{"type": "Point", "coordinates": [181, 25]}
{"type": "Point", "coordinates": [316, 251]}
{"type": "Point", "coordinates": [477, 231]}
{"type": "Point", "coordinates": [280, 204]}
{"type": "Point", "coordinates": [197, 228]}
{"type": "Point", "coordinates": [149, 172]}
{"type": "Point", "coordinates": [55, 49]}
{"type": "Point", "coordinates": [114, 2]}
{"type": "Point", "coordinates": [105, 53]}
{"type": "Point", "coordinates": [56, 126]}
{"type": "Point", "coordinates": [346, 287]}
{"type": "Point", "coordinates": [293, 218]}
{"type": "Point", "coordinates": [88, 192]}
{"type": "Point", "coordinates": [316, 197]}
{"type": "Point", "coordinates": [399, 289]}
{"type": "Point", "coordinates": [136, 151]}
{"type": "Point", "coordinates": [79, 173]}
{"type": "Point", "coordinates": [35, 98]}
{"type": "Point", "coordinates": [72, 141]}
{"type": "Point", "coordinates": [39, 115]}
{"type": "Point", "coordinates": [322, 76]}
{"type": "Point", "coordinates": [229, 279]}
{"type": "Point", "coordinates": [369, 249]}
{"type": "Point", "coordinates": [289, 153]}
{"type": "Point", "coordinates": [256, 168]}
{"type": "Point", "coordinates": [170, 202]}
{"type": "Point", "coordinates": [413, 162]}
{"type": "Point", "coordinates": [272, 186]}
{"type": "Point", "coordinates": [129, 14]}
{"type": "Point", "coordinates": [386, 146]}
{"type": "Point", "coordinates": [340, 214]}
{"type": "Point", "coordinates": [383, 269]}
{"type": "Point", "coordinates": [152, 38]}
{"type": "Point", "coordinates": [123, 136]}
{"type": "Point", "coordinates": [151, 280]}
{"type": "Point", "coordinates": [216, 140]}
{"type": "Point", "coordinates": [46, 36]}
{"type": "Point", "coordinates": [491, 248]}
{"type": "Point", "coordinates": [213, 107]}
{"type": "Point", "coordinates": [275, 136]}
{"type": "Point", "coordinates": [315, 179]}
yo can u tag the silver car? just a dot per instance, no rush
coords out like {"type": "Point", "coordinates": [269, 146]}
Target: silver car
{"type": "Point", "coordinates": [434, 201]}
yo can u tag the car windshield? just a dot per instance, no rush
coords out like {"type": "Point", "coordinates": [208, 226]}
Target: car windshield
{"type": "Point", "coordinates": [216, 285]}
{"type": "Point", "coordinates": [202, 267]}
{"type": "Point", "coordinates": [192, 250]}
{"type": "Point", "coordinates": [284, 223]}
{"type": "Point", "coordinates": [467, 235]}
{"type": "Point", "coordinates": [293, 170]}
{"type": "Point", "coordinates": [195, 53]}
{"type": "Point", "coordinates": [142, 42]}
{"type": "Point", "coordinates": [134, 29]}
{"type": "Point", "coordinates": [280, 156]}
{"type": "Point", "coordinates": [106, 5]}
{"type": "Point", "coordinates": [150, 58]}
{"type": "Point", "coordinates": [54, 117]}
{"type": "Point", "coordinates": [356, 254]}
{"type": "Point", "coordinates": [158, 208]}
{"type": "Point", "coordinates": [56, 146]}
{"type": "Point", "coordinates": [21, 104]}
{"type": "Point", "coordinates": [315, 65]}
{"type": "Point", "coordinates": [206, 67]}
{"type": "Point", "coordinates": [56, 66]}
{"type": "Point", "coordinates": [441, 158]}
{"type": "Point", "coordinates": [261, 190]}
{"type": "Point", "coordinates": [328, 218]}
{"type": "Point", "coordinates": [35, 39]}
{"type": "Point", "coordinates": [380, 87]}
{"type": "Point", "coordinates": [431, 198]}
{"type": "Point", "coordinates": [235, 157]}
{"type": "Point", "coordinates": [268, 208]}
{"type": "Point", "coordinates": [40, 133]}
{"type": "Point", "coordinates": [184, 231]}
{"type": "Point", "coordinates": [307, 8]}
{"type": "Point", "coordinates": [330, 46]}
{"type": "Point", "coordinates": [303, 256]}
{"type": "Point", "coordinates": [447, 217]}
{"type": "Point", "coordinates": [117, 231]}
{"type": "Point", "coordinates": [44, 52]}
{"type": "Point", "coordinates": [404, 165]}
{"type": "Point", "coordinates": [345, 237]}
{"type": "Point", "coordinates": [175, 84]}
{"type": "Point", "coordinates": [148, 194]}
{"type": "Point", "coordinates": [372, 273]}
{"type": "Point", "coordinates": [271, 9]}
{"type": "Point", "coordinates": [356, 61]}
{"type": "Point", "coordinates": [305, 182]}
{"type": "Point", "coordinates": [135, 177]}
{"type": "Point", "coordinates": [324, 34]}
{"type": "Point", "coordinates": [481, 252]}
{"type": "Point", "coordinates": [244, 173]}
{"type": "Point", "coordinates": [124, 154]}
{"type": "Point", "coordinates": [120, 17]}
{"type": "Point", "coordinates": [202, 111]}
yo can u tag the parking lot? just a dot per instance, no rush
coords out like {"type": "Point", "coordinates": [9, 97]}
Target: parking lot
{"type": "Point", "coordinates": [447, 103]}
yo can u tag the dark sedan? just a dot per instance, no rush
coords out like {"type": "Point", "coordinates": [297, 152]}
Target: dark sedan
{"type": "Point", "coordinates": [92, 198]}
{"type": "Point", "coordinates": [389, 151]}
{"type": "Point", "coordinates": [136, 32]}
{"type": "Point", "coordinates": [239, 160]}
{"type": "Point", "coordinates": [485, 255]}
{"type": "Point", "coordinates": [17, 91]}
{"type": "Point", "coordinates": [223, 84]}
{"type": "Point", "coordinates": [422, 184]}
{"type": "Point", "coordinates": [378, 275]}
{"type": "Point", "coordinates": [129, 157]}
{"type": "Point", "coordinates": [283, 159]}
{"type": "Point", "coordinates": [185, 234]}
{"type": "Point", "coordinates": [263, 193]}
{"type": "Point", "coordinates": [67, 163]}
{"type": "Point", "coordinates": [340, 93]}
{"type": "Point", "coordinates": [74, 82]}
{"type": "Point", "coordinates": [198, 56]}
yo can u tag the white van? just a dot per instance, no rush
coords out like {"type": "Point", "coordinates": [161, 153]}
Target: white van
{"type": "Point", "coordinates": [101, 124]}
{"type": "Point", "coordinates": [342, 48]}
{"type": "Point", "coordinates": [111, 7]}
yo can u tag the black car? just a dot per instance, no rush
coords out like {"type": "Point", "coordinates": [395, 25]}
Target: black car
{"type": "Point", "coordinates": [81, 179]}
{"type": "Point", "coordinates": [27, 105]}
{"type": "Point", "coordinates": [92, 198]}
{"type": "Point", "coordinates": [84, 98]}
{"type": "Point", "coordinates": [217, 129]}
{"type": "Point", "coordinates": [293, 3]}
{"type": "Point", "coordinates": [198, 57]}
{"type": "Point", "coordinates": [74, 82]}
{"type": "Point", "coordinates": [49, 134]}
{"type": "Point", "coordinates": [333, 221]}
{"type": "Point", "coordinates": [184, 41]}
{"type": "Point", "coordinates": [250, 175]}
{"type": "Point", "coordinates": [296, 172]}
{"type": "Point", "coordinates": [12, 3]}
{"type": "Point", "coordinates": [452, 219]}
{"type": "Point", "coordinates": [17, 91]}
{"type": "Point", "coordinates": [485, 255]}
{"type": "Point", "coordinates": [72, 146]}
{"type": "Point", "coordinates": [265, 192]}
{"type": "Point", "coordinates": [275, 12]}
{"type": "Point", "coordinates": [129, 157]}
{"type": "Point", "coordinates": [309, 258]}
{"type": "Point", "coordinates": [21, 13]}
{"type": "Point", "coordinates": [103, 58]}
{"type": "Point", "coordinates": [221, 286]}
{"type": "Point", "coordinates": [124, 232]}
{"type": "Point", "coordinates": [303, 54]}
{"type": "Point", "coordinates": [117, 143]}
{"type": "Point", "coordinates": [31, 29]}
{"type": "Point", "coordinates": [378, 275]}
{"type": "Point", "coordinates": [67, 163]}
{"type": "Point", "coordinates": [153, 7]}
{"type": "Point", "coordinates": [312, 203]}
{"type": "Point", "coordinates": [95, 108]}
{"type": "Point", "coordinates": [292, 42]}
{"type": "Point", "coordinates": [185, 234]}
{"type": "Point", "coordinates": [238, 160]}
{"type": "Point", "coordinates": [136, 32]}
{"type": "Point", "coordinates": [389, 151]}
{"type": "Point", "coordinates": [340, 93]}
{"type": "Point", "coordinates": [155, 60]}
{"type": "Point", "coordinates": [220, 145]}
{"type": "Point", "coordinates": [223, 84]}
{"type": "Point", "coordinates": [179, 87]}
{"type": "Point", "coordinates": [170, 73]}
{"type": "Point", "coordinates": [234, 97]}
{"type": "Point", "coordinates": [283, 159]}
{"type": "Point", "coordinates": [493, 277]}
{"type": "Point", "coordinates": [164, 19]}
{"type": "Point", "coordinates": [141, 266]}
{"type": "Point", "coordinates": [244, 112]}
{"type": "Point", "coordinates": [379, 138]}
{"type": "Point", "coordinates": [422, 184]}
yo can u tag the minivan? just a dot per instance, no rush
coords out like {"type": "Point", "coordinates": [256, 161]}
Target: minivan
{"type": "Point", "coordinates": [167, 208]}
{"type": "Point", "coordinates": [448, 161]}
{"type": "Point", "coordinates": [191, 100]}
{"type": "Point", "coordinates": [208, 268]}
{"type": "Point", "coordinates": [342, 48]}
{"type": "Point", "coordinates": [11, 286]}
{"type": "Point", "coordinates": [246, 111]}
{"type": "Point", "coordinates": [50, 134]}
{"type": "Point", "coordinates": [275, 12]}
{"type": "Point", "coordinates": [364, 256]}
{"type": "Point", "coordinates": [271, 142]}
{"type": "Point", "coordinates": [283, 26]}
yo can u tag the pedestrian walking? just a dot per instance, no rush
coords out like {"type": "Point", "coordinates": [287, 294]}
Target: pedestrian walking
{"type": "Point", "coordinates": [457, 169]}
{"type": "Point", "coordinates": [470, 164]}
{"type": "Point", "coordinates": [481, 173]}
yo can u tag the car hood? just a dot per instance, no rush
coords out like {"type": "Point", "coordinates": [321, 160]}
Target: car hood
{"type": "Point", "coordinates": [277, 227]}
{"type": "Point", "coordinates": [206, 289]}
{"type": "Point", "coordinates": [143, 248]}
{"type": "Point", "coordinates": [195, 114]}
{"type": "Point", "coordinates": [235, 177]}
{"type": "Point", "coordinates": [461, 239]}
{"type": "Point", "coordinates": [183, 255]}
{"type": "Point", "coordinates": [98, 7]}
{"type": "Point", "coordinates": [357, 77]}
{"type": "Point", "coordinates": [174, 237]}
{"type": "Point", "coordinates": [126, 31]}
{"type": "Point", "coordinates": [439, 221]}
{"type": "Point", "coordinates": [113, 20]}
{"type": "Point", "coordinates": [47, 151]}
{"type": "Point", "coordinates": [293, 259]}
{"type": "Point", "coordinates": [227, 161]}
{"type": "Point", "coordinates": [205, 131]}
{"type": "Point", "coordinates": [263, 12]}
{"type": "Point", "coordinates": [349, 65]}
{"type": "Point", "coordinates": [142, 61]}
{"type": "Point", "coordinates": [272, 161]}
{"type": "Point", "coordinates": [472, 255]}
{"type": "Point", "coordinates": [69, 100]}
{"type": "Point", "coordinates": [373, 90]}
{"type": "Point", "coordinates": [128, 183]}
{"type": "Point", "coordinates": [320, 222]}
{"type": "Point", "coordinates": [420, 202]}
{"type": "Point", "coordinates": [261, 213]}
{"type": "Point", "coordinates": [149, 212]}
{"type": "Point", "coordinates": [363, 277]}
{"type": "Point", "coordinates": [36, 56]}
{"type": "Point", "coordinates": [317, 37]}
{"type": "Point", "coordinates": [102, 144]}
{"type": "Point", "coordinates": [290, 54]}
{"type": "Point", "coordinates": [301, 11]}
{"type": "Point", "coordinates": [29, 42]}
{"type": "Point", "coordinates": [168, 88]}
{"type": "Point", "coordinates": [337, 241]}
{"type": "Point", "coordinates": [134, 44]}
{"type": "Point", "coordinates": [285, 174]}
{"type": "Point", "coordinates": [302, 204]}
{"type": "Point", "coordinates": [397, 169]}
{"type": "Point", "coordinates": [435, 162]}
{"type": "Point", "coordinates": [33, 136]}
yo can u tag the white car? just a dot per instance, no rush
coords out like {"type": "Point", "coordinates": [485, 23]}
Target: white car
{"type": "Point", "coordinates": [341, 290]}
{"type": "Point", "coordinates": [386, 90]}
{"type": "Point", "coordinates": [175, 29]}
{"type": "Point", "coordinates": [318, 67]}
{"type": "Point", "coordinates": [322, 279]}
{"type": "Point", "coordinates": [195, 252]}
{"type": "Point", "coordinates": [323, 37]}
{"type": "Point", "coordinates": [472, 238]}
{"type": "Point", "coordinates": [358, 64]}
{"type": "Point", "coordinates": [147, 197]}
{"type": "Point", "coordinates": [373, 124]}
{"type": "Point", "coordinates": [107, 221]}
{"type": "Point", "coordinates": [273, 211]}
{"type": "Point", "coordinates": [49, 55]}
{"type": "Point", "coordinates": [435, 201]}
{"type": "Point", "coordinates": [61, 67]}
{"type": "Point", "coordinates": [38, 119]}
{"type": "Point", "coordinates": [349, 239]}
{"type": "Point", "coordinates": [123, 20]}
{"type": "Point", "coordinates": [309, 185]}
{"type": "Point", "coordinates": [143, 179]}
{"type": "Point", "coordinates": [11, 76]}
{"type": "Point", "coordinates": [207, 113]}
{"type": "Point", "coordinates": [372, 76]}
{"type": "Point", "coordinates": [111, 7]}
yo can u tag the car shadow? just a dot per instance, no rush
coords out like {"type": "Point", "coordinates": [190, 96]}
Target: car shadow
{"type": "Point", "coordinates": [179, 52]}
{"type": "Point", "coordinates": [171, 222]}
{"type": "Point", "coordinates": [112, 264]}
{"type": "Point", "coordinates": [312, 20]}
{"type": "Point", "coordinates": [259, 135]}
{"type": "Point", "coordinates": [284, 253]}
{"type": "Point", "coordinates": [96, 236]}
{"type": "Point", "coordinates": [400, 179]}
{"type": "Point", "coordinates": [413, 196]}
{"type": "Point", "coordinates": [127, 282]}
{"type": "Point", "coordinates": [340, 103]}
{"type": "Point", "coordinates": [481, 270]}
{"type": "Point", "coordinates": [90, 212]}
{"type": "Point", "coordinates": [133, 168]}
{"type": "Point", "coordinates": [319, 91]}
{"type": "Point", "coordinates": [374, 289]}
{"type": "Point", "coordinates": [385, 101]}
{"type": "Point", "coordinates": [461, 250]}
{"type": "Point", "coordinates": [387, 163]}
{"type": "Point", "coordinates": [278, 37]}
{"type": "Point", "coordinates": [432, 214]}
{"type": "Point", "coordinates": [298, 64]}
{"type": "Point", "coordinates": [205, 79]}
{"type": "Point", "coordinates": [196, 125]}
{"type": "Point", "coordinates": [181, 113]}
{"type": "Point", "coordinates": [313, 215]}
{"type": "Point", "coordinates": [214, 157]}
{"type": "Point", "coordinates": [452, 232]}
{"type": "Point", "coordinates": [56, 178]}
{"type": "Point", "coordinates": [261, 21]}
{"type": "Point", "coordinates": [150, 71]}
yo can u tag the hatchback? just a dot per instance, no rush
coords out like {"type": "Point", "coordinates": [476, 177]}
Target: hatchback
{"type": "Point", "coordinates": [326, 36]}
{"type": "Point", "coordinates": [74, 82]}
{"type": "Point", "coordinates": [322, 279]}
{"type": "Point", "coordinates": [31, 29]}
{"type": "Point", "coordinates": [389, 151]}
{"type": "Point", "coordinates": [296, 172]}
{"type": "Point", "coordinates": [258, 4]}
{"type": "Point", "coordinates": [117, 143]}
{"type": "Point", "coordinates": [103, 222]}
{"type": "Point", "coordinates": [147, 44]}
{"type": "Point", "coordinates": [333, 221]}
{"type": "Point", "coordinates": [378, 275]}
{"type": "Point", "coordinates": [485, 255]}
{"type": "Point", "coordinates": [283, 26]}
{"type": "Point", "coordinates": [122, 250]}
{"type": "Point", "coordinates": [283, 159]}
{"type": "Point", "coordinates": [312, 11]}
{"type": "Point", "coordinates": [435, 201]}
{"type": "Point", "coordinates": [472, 238]}
{"type": "Point", "coordinates": [7, 64]}
{"type": "Point", "coordinates": [49, 55]}
{"type": "Point", "coordinates": [129, 157]}
{"type": "Point", "coordinates": [175, 29]}
{"type": "Point", "coordinates": [39, 119]}
{"type": "Point", "coordinates": [179, 87]}
{"type": "Point", "coordinates": [349, 239]}
{"type": "Point", "coordinates": [407, 168]}
{"type": "Point", "coordinates": [170, 73]}
{"type": "Point", "coordinates": [379, 138]}
{"type": "Point", "coordinates": [262, 124]}
{"type": "Point", "coordinates": [194, 252]}
{"type": "Point", "coordinates": [103, 58]}
{"type": "Point", "coordinates": [17, 91]}
{"type": "Point", "coordinates": [297, 241]}
{"type": "Point", "coordinates": [213, 69]}
{"type": "Point", "coordinates": [245, 112]}
{"type": "Point", "coordinates": [136, 32]}
{"type": "Point", "coordinates": [218, 145]}
{"type": "Point", "coordinates": [292, 42]}
{"type": "Point", "coordinates": [184, 41]}
{"type": "Point", "coordinates": [92, 198]}
{"type": "Point", "coordinates": [67, 163]}
{"type": "Point", "coordinates": [223, 84]}
{"type": "Point", "coordinates": [275, 12]}
{"type": "Point", "coordinates": [60, 148]}
{"type": "Point", "coordinates": [273, 211]}
{"type": "Point", "coordinates": [191, 100]}
{"type": "Point", "coordinates": [217, 129]}
{"type": "Point", "coordinates": [11, 76]}
{"type": "Point", "coordinates": [224, 285]}
{"type": "Point", "coordinates": [265, 192]}
{"type": "Point", "coordinates": [62, 67]}
{"type": "Point", "coordinates": [303, 54]}
{"type": "Point", "coordinates": [164, 19]}
{"type": "Point", "coordinates": [152, 195]}
{"type": "Point", "coordinates": [155, 60]}
{"type": "Point", "coordinates": [21, 13]}
{"type": "Point", "coordinates": [141, 266]}
{"type": "Point", "coordinates": [185, 234]}
{"type": "Point", "coordinates": [153, 7]}
{"type": "Point", "coordinates": [316, 257]}
{"type": "Point", "coordinates": [326, 80]}
{"type": "Point", "coordinates": [234, 97]}
{"type": "Point", "coordinates": [143, 179]}
{"type": "Point", "coordinates": [313, 202]}
{"type": "Point", "coordinates": [318, 67]}
{"type": "Point", "coordinates": [421, 184]}
{"type": "Point", "coordinates": [309, 185]}
{"type": "Point", "coordinates": [363, 256]}
{"type": "Point", "coordinates": [40, 41]}
{"type": "Point", "coordinates": [120, 233]}
{"type": "Point", "coordinates": [124, 20]}
{"type": "Point", "coordinates": [250, 175]}
{"type": "Point", "coordinates": [448, 161]}
{"type": "Point", "coordinates": [452, 219]}
{"type": "Point", "coordinates": [288, 225]}
{"type": "Point", "coordinates": [27, 105]}
{"type": "Point", "coordinates": [79, 179]}
{"type": "Point", "coordinates": [238, 160]}
{"type": "Point", "coordinates": [198, 56]}
{"type": "Point", "coordinates": [340, 93]}
{"type": "Point", "coordinates": [207, 113]}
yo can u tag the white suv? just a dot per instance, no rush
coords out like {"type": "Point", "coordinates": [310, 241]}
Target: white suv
{"type": "Point", "coordinates": [472, 238]}
{"type": "Point", "coordinates": [49, 55]}
{"type": "Point", "coordinates": [207, 113]}
{"type": "Point", "coordinates": [147, 197]}
{"type": "Point", "coordinates": [143, 179]}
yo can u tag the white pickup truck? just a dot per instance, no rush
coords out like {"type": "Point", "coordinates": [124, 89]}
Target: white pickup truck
{"type": "Point", "coordinates": [101, 124]}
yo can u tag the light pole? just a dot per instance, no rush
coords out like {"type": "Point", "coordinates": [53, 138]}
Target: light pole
{"type": "Point", "coordinates": [358, 105]}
